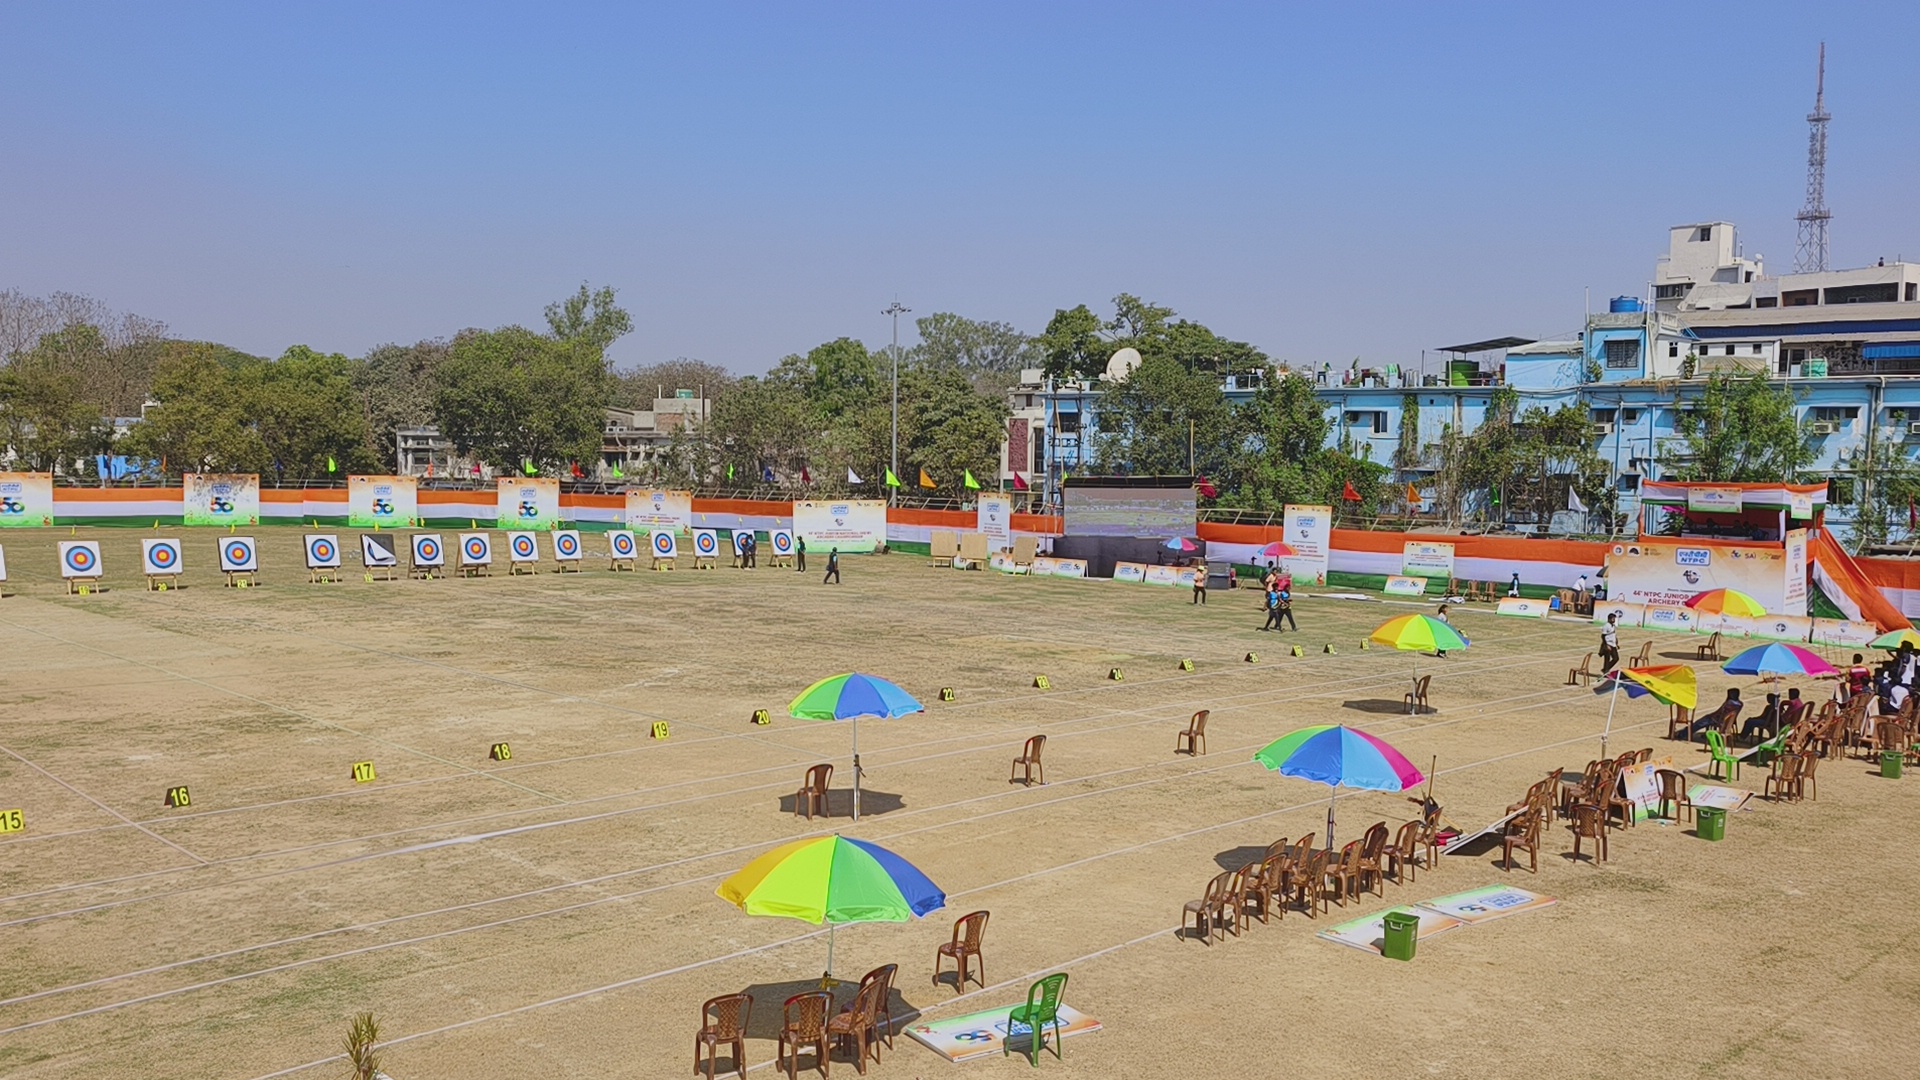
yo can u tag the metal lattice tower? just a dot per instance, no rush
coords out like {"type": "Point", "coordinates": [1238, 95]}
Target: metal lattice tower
{"type": "Point", "coordinates": [1810, 252]}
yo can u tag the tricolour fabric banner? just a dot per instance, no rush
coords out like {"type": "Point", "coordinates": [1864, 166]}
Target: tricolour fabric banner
{"type": "Point", "coordinates": [852, 525]}
{"type": "Point", "coordinates": [382, 501]}
{"type": "Point", "coordinates": [220, 499]}
{"type": "Point", "coordinates": [26, 499]}
{"type": "Point", "coordinates": [1309, 531]}
{"type": "Point", "coordinates": [650, 509]}
{"type": "Point", "coordinates": [531, 502]}
{"type": "Point", "coordinates": [996, 521]}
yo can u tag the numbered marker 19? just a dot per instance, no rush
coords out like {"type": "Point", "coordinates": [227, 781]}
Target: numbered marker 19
{"type": "Point", "coordinates": [363, 772]}
{"type": "Point", "coordinates": [660, 729]}
{"type": "Point", "coordinates": [12, 821]}
{"type": "Point", "coordinates": [178, 796]}
{"type": "Point", "coordinates": [500, 752]}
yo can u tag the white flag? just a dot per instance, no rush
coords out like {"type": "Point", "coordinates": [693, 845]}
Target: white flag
{"type": "Point", "coordinates": [853, 477]}
{"type": "Point", "coordinates": [1574, 503]}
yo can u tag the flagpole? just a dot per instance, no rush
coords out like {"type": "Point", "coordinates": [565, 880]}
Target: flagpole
{"type": "Point", "coordinates": [1612, 700]}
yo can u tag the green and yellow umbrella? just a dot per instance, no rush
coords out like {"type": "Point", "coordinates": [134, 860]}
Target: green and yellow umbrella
{"type": "Point", "coordinates": [1669, 684]}
{"type": "Point", "coordinates": [1418, 634]}
{"type": "Point", "coordinates": [832, 880]}
{"type": "Point", "coordinates": [1892, 642]}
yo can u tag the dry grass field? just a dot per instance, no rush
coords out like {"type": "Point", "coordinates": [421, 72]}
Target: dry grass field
{"type": "Point", "coordinates": [555, 916]}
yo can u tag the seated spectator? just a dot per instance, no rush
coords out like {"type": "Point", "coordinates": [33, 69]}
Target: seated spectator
{"type": "Point", "coordinates": [1720, 719]}
{"type": "Point", "coordinates": [1766, 724]}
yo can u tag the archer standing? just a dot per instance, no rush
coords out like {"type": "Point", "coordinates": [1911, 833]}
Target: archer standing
{"type": "Point", "coordinates": [800, 553]}
{"type": "Point", "coordinates": [833, 567]}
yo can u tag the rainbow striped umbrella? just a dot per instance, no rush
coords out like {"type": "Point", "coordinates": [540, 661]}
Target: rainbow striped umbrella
{"type": "Point", "coordinates": [832, 880]}
{"type": "Point", "coordinates": [1339, 756]}
{"type": "Point", "coordinates": [850, 697]}
{"type": "Point", "coordinates": [1726, 602]}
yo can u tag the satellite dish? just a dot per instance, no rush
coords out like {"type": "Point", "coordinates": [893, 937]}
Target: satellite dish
{"type": "Point", "coordinates": [1122, 364]}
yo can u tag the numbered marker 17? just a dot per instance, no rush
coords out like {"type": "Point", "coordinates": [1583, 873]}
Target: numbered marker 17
{"type": "Point", "coordinates": [363, 772]}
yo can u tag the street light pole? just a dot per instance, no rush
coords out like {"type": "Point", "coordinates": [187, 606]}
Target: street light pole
{"type": "Point", "coordinates": [896, 310]}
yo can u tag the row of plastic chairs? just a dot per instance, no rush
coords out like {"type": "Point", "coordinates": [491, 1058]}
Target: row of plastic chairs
{"type": "Point", "coordinates": [1298, 874]}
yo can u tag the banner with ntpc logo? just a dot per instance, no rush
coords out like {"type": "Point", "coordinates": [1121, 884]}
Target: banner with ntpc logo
{"type": "Point", "coordinates": [854, 525]}
{"type": "Point", "coordinates": [1668, 572]}
{"type": "Point", "coordinates": [25, 499]}
{"type": "Point", "coordinates": [529, 502]}
{"type": "Point", "coordinates": [216, 499]}
{"type": "Point", "coordinates": [384, 501]}
{"type": "Point", "coordinates": [649, 510]}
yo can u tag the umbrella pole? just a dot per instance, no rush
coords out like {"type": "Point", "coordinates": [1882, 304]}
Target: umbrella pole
{"type": "Point", "coordinates": [1612, 700]}
{"type": "Point", "coordinates": [827, 981]}
{"type": "Point", "coordinates": [856, 776]}
{"type": "Point", "coordinates": [1332, 793]}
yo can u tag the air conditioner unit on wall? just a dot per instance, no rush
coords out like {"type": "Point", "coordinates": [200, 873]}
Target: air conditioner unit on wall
{"type": "Point", "coordinates": [1603, 428]}
{"type": "Point", "coordinates": [1822, 427]}
{"type": "Point", "coordinates": [1913, 427]}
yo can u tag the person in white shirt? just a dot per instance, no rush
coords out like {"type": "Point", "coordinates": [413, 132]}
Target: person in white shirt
{"type": "Point", "coordinates": [1609, 644]}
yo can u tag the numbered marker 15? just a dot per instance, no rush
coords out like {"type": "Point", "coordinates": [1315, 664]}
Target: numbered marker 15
{"type": "Point", "coordinates": [500, 752]}
{"type": "Point", "coordinates": [12, 821]}
{"type": "Point", "coordinates": [179, 796]}
{"type": "Point", "coordinates": [363, 772]}
{"type": "Point", "coordinates": [660, 729]}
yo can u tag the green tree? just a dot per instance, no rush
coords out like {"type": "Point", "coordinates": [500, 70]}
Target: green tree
{"type": "Point", "coordinates": [635, 388]}
{"type": "Point", "coordinates": [949, 429]}
{"type": "Point", "coordinates": [511, 395]}
{"type": "Point", "coordinates": [590, 319]}
{"type": "Point", "coordinates": [989, 354]}
{"type": "Point", "coordinates": [396, 385]}
{"type": "Point", "coordinates": [760, 422]}
{"type": "Point", "coordinates": [1150, 422]}
{"type": "Point", "coordinates": [1743, 429]}
{"type": "Point", "coordinates": [305, 411]}
{"type": "Point", "coordinates": [1073, 344]}
{"type": "Point", "coordinates": [1886, 485]}
{"type": "Point", "coordinates": [45, 418]}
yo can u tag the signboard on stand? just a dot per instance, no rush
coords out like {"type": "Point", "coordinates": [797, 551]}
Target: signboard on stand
{"type": "Point", "coordinates": [1427, 559]}
{"type": "Point", "coordinates": [1309, 531]}
{"type": "Point", "coordinates": [1669, 572]}
{"type": "Point", "coordinates": [852, 525]}
{"type": "Point", "coordinates": [26, 499]}
{"type": "Point", "coordinates": [996, 521]}
{"type": "Point", "coordinates": [382, 501]}
{"type": "Point", "coordinates": [1793, 596]}
{"type": "Point", "coordinates": [531, 502]}
{"type": "Point", "coordinates": [650, 509]}
{"type": "Point", "coordinates": [217, 499]}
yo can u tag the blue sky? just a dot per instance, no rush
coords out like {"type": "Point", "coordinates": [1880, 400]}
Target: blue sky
{"type": "Point", "coordinates": [1324, 181]}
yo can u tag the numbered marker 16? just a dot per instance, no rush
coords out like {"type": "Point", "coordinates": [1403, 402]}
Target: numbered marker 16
{"type": "Point", "coordinates": [363, 772]}
{"type": "Point", "coordinates": [179, 796]}
{"type": "Point", "coordinates": [660, 729]}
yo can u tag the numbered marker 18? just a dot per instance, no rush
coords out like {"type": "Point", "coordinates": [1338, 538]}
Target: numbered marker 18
{"type": "Point", "coordinates": [363, 772]}
{"type": "Point", "coordinates": [12, 821]}
{"type": "Point", "coordinates": [1041, 682]}
{"type": "Point", "coordinates": [178, 796]}
{"type": "Point", "coordinates": [660, 729]}
{"type": "Point", "coordinates": [947, 694]}
{"type": "Point", "coordinates": [500, 752]}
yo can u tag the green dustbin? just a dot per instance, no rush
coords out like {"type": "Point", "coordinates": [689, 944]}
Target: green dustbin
{"type": "Point", "coordinates": [1890, 763]}
{"type": "Point", "coordinates": [1710, 823]}
{"type": "Point", "coordinates": [1403, 930]}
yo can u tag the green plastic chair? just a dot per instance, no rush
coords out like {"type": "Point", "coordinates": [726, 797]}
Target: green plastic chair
{"type": "Point", "coordinates": [1721, 756]}
{"type": "Point", "coordinates": [1775, 746]}
{"type": "Point", "coordinates": [1041, 1010]}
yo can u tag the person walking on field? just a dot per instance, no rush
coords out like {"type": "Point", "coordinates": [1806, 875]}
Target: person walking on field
{"type": "Point", "coordinates": [1200, 582]}
{"type": "Point", "coordinates": [1285, 609]}
{"type": "Point", "coordinates": [1441, 615]}
{"type": "Point", "coordinates": [800, 554]}
{"type": "Point", "coordinates": [833, 567]}
{"type": "Point", "coordinates": [1609, 644]}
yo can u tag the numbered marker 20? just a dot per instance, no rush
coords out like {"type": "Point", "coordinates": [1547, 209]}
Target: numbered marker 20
{"type": "Point", "coordinates": [363, 772]}
{"type": "Point", "coordinates": [761, 717]}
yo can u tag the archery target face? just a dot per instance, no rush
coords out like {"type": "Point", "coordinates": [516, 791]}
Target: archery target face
{"type": "Point", "coordinates": [664, 545]}
{"type": "Point", "coordinates": [706, 543]}
{"type": "Point", "coordinates": [323, 552]}
{"type": "Point", "coordinates": [621, 544]}
{"type": "Point", "coordinates": [523, 547]}
{"type": "Point", "coordinates": [566, 545]}
{"type": "Point", "coordinates": [79, 558]}
{"type": "Point", "coordinates": [427, 550]}
{"type": "Point", "coordinates": [237, 555]}
{"type": "Point", "coordinates": [740, 542]}
{"type": "Point", "coordinates": [377, 551]}
{"type": "Point", "coordinates": [159, 557]}
{"type": "Point", "coordinates": [476, 549]}
{"type": "Point", "coordinates": [782, 540]}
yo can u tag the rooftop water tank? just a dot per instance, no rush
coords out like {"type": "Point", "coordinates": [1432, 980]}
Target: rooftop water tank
{"type": "Point", "coordinates": [1624, 305]}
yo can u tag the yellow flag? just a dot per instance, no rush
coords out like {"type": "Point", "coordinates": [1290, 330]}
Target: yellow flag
{"type": "Point", "coordinates": [1413, 495]}
{"type": "Point", "coordinates": [927, 481]}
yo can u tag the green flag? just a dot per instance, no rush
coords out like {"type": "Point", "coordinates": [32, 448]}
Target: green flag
{"type": "Point", "coordinates": [729, 474]}
{"type": "Point", "coordinates": [972, 484]}
{"type": "Point", "coordinates": [892, 480]}
{"type": "Point", "coordinates": [529, 468]}
{"type": "Point", "coordinates": [617, 474]}
{"type": "Point", "coordinates": [331, 467]}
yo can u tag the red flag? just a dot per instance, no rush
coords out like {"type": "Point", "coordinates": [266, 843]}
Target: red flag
{"type": "Point", "coordinates": [476, 468]}
{"type": "Point", "coordinates": [577, 474]}
{"type": "Point", "coordinates": [1349, 494]}
{"type": "Point", "coordinates": [1207, 489]}
{"type": "Point", "coordinates": [806, 476]}
{"type": "Point", "coordinates": [429, 470]}
{"type": "Point", "coordinates": [1019, 482]}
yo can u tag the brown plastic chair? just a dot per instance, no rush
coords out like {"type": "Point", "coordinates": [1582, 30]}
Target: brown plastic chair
{"type": "Point", "coordinates": [813, 792]}
{"type": "Point", "coordinates": [1404, 854]}
{"type": "Point", "coordinates": [1195, 737]}
{"type": "Point", "coordinates": [965, 950]}
{"type": "Point", "coordinates": [724, 1020]}
{"type": "Point", "coordinates": [857, 1024]}
{"type": "Point", "coordinates": [1416, 699]}
{"type": "Point", "coordinates": [1710, 650]}
{"type": "Point", "coordinates": [1344, 873]}
{"type": "Point", "coordinates": [1269, 888]}
{"type": "Point", "coordinates": [1209, 908]}
{"type": "Point", "coordinates": [1808, 767]}
{"type": "Point", "coordinates": [803, 1023]}
{"type": "Point", "coordinates": [1373, 846]}
{"type": "Point", "coordinates": [1029, 759]}
{"type": "Point", "coordinates": [1590, 823]}
{"type": "Point", "coordinates": [1644, 656]}
{"type": "Point", "coordinates": [1679, 718]}
{"type": "Point", "coordinates": [1309, 879]}
{"type": "Point", "coordinates": [1784, 782]}
{"type": "Point", "coordinates": [1584, 674]}
{"type": "Point", "coordinates": [1673, 793]}
{"type": "Point", "coordinates": [1522, 832]}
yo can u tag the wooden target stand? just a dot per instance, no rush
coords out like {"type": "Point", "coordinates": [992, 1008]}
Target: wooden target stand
{"type": "Point", "coordinates": [514, 569]}
{"type": "Point", "coordinates": [163, 582]}
{"type": "Point", "coordinates": [705, 562]}
{"type": "Point", "coordinates": [242, 579]}
{"type": "Point", "coordinates": [474, 570]}
{"type": "Point", "coordinates": [425, 573]}
{"type": "Point", "coordinates": [780, 562]}
{"type": "Point", "coordinates": [83, 586]}
{"type": "Point", "coordinates": [616, 562]}
{"type": "Point", "coordinates": [323, 575]}
{"type": "Point", "coordinates": [663, 564]}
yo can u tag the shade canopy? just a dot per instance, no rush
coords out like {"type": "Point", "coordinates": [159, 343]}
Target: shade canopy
{"type": "Point", "coordinates": [832, 879]}
{"type": "Point", "coordinates": [852, 696]}
{"type": "Point", "coordinates": [1669, 684]}
{"type": "Point", "coordinates": [1179, 543]}
{"type": "Point", "coordinates": [1894, 640]}
{"type": "Point", "coordinates": [1418, 633]}
{"type": "Point", "coordinates": [1777, 658]}
{"type": "Point", "coordinates": [1726, 602]}
{"type": "Point", "coordinates": [1279, 549]}
{"type": "Point", "coordinates": [1339, 756]}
